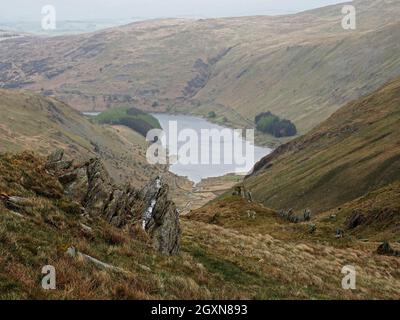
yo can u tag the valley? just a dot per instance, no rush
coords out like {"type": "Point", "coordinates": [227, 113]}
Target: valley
{"type": "Point", "coordinates": [301, 67]}
{"type": "Point", "coordinates": [77, 191]}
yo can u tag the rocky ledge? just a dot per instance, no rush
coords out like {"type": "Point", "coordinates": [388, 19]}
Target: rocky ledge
{"type": "Point", "coordinates": [122, 206]}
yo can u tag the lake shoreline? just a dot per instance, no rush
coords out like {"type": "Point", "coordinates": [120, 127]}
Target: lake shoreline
{"type": "Point", "coordinates": [199, 172]}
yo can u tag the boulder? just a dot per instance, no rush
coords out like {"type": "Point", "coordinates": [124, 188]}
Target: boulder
{"type": "Point", "coordinates": [307, 215]}
{"type": "Point", "coordinates": [386, 250]}
{"type": "Point", "coordinates": [56, 163]}
{"type": "Point", "coordinates": [339, 234]}
{"type": "Point", "coordinates": [241, 191]}
{"type": "Point", "coordinates": [56, 156]}
{"type": "Point", "coordinates": [356, 219]}
{"type": "Point", "coordinates": [75, 183]}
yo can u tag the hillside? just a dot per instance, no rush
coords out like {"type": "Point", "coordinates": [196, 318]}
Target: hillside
{"type": "Point", "coordinates": [354, 152]}
{"type": "Point", "coordinates": [29, 121]}
{"type": "Point", "coordinates": [302, 67]}
{"type": "Point", "coordinates": [40, 224]}
{"type": "Point", "coordinates": [77, 193]}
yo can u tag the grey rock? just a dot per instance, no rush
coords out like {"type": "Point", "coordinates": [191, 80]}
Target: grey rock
{"type": "Point", "coordinates": [356, 219]}
{"type": "Point", "coordinates": [241, 191]}
{"type": "Point", "coordinates": [59, 165]}
{"type": "Point", "coordinates": [160, 217]}
{"type": "Point", "coordinates": [307, 215]}
{"type": "Point", "coordinates": [68, 178]}
{"type": "Point", "coordinates": [251, 214]}
{"type": "Point", "coordinates": [56, 156]}
{"type": "Point", "coordinates": [150, 207]}
{"type": "Point", "coordinates": [74, 253]}
{"type": "Point", "coordinates": [386, 250]}
{"type": "Point", "coordinates": [339, 234]}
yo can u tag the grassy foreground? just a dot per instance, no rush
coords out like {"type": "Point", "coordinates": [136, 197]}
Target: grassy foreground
{"type": "Point", "coordinates": [232, 256]}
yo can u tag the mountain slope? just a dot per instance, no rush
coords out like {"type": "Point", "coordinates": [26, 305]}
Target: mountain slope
{"type": "Point", "coordinates": [355, 151]}
{"type": "Point", "coordinates": [40, 226]}
{"type": "Point", "coordinates": [29, 121]}
{"type": "Point", "coordinates": [301, 67]}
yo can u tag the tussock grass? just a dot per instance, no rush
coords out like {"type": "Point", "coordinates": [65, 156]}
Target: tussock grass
{"type": "Point", "coordinates": [232, 256]}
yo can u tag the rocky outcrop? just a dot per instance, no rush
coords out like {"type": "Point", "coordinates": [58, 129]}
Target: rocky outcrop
{"type": "Point", "coordinates": [202, 73]}
{"type": "Point", "coordinates": [55, 161]}
{"type": "Point", "coordinates": [386, 250]}
{"type": "Point", "coordinates": [160, 217]}
{"type": "Point", "coordinates": [291, 216]}
{"type": "Point", "coordinates": [149, 208]}
{"type": "Point", "coordinates": [356, 219]}
{"type": "Point", "coordinates": [242, 192]}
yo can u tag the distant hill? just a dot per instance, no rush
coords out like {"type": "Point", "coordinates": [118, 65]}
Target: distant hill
{"type": "Point", "coordinates": [301, 67]}
{"type": "Point", "coordinates": [354, 152]}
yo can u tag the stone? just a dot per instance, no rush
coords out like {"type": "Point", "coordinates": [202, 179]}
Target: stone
{"type": "Point", "coordinates": [386, 250]}
{"type": "Point", "coordinates": [78, 187]}
{"type": "Point", "coordinates": [356, 219]}
{"type": "Point", "coordinates": [251, 214]}
{"type": "Point", "coordinates": [74, 253]}
{"type": "Point", "coordinates": [100, 187]}
{"type": "Point", "coordinates": [15, 203]}
{"type": "Point", "coordinates": [121, 206]}
{"type": "Point", "coordinates": [55, 161]}
{"type": "Point", "coordinates": [339, 234]}
{"type": "Point", "coordinates": [162, 224]}
{"type": "Point", "coordinates": [307, 215]}
{"type": "Point", "coordinates": [68, 178]}
{"type": "Point", "coordinates": [56, 156]}
{"type": "Point", "coordinates": [242, 192]}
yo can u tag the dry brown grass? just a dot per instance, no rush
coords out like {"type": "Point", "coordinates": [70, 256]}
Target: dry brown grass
{"type": "Point", "coordinates": [298, 270]}
{"type": "Point", "coordinates": [231, 256]}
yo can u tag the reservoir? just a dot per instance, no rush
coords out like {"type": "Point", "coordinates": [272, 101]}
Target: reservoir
{"type": "Point", "coordinates": [197, 172]}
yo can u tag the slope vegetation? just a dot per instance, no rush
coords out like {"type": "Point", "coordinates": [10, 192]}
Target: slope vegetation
{"type": "Point", "coordinates": [29, 121]}
{"type": "Point", "coordinates": [40, 225]}
{"type": "Point", "coordinates": [356, 151]}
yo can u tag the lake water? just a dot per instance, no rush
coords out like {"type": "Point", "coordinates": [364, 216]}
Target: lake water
{"type": "Point", "coordinates": [197, 172]}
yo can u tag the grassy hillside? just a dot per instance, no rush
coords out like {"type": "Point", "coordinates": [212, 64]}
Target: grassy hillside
{"type": "Point", "coordinates": [285, 259]}
{"type": "Point", "coordinates": [133, 118]}
{"type": "Point", "coordinates": [40, 231]}
{"type": "Point", "coordinates": [29, 121]}
{"type": "Point", "coordinates": [356, 151]}
{"type": "Point", "coordinates": [302, 67]}
{"type": "Point", "coordinates": [221, 261]}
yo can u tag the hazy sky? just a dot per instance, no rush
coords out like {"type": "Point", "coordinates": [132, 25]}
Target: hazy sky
{"type": "Point", "coordinates": [126, 9]}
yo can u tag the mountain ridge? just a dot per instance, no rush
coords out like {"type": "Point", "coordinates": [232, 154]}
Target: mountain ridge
{"type": "Point", "coordinates": [237, 67]}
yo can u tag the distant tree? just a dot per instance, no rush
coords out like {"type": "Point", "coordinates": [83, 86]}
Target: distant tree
{"type": "Point", "coordinates": [212, 114]}
{"type": "Point", "coordinates": [269, 123]}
